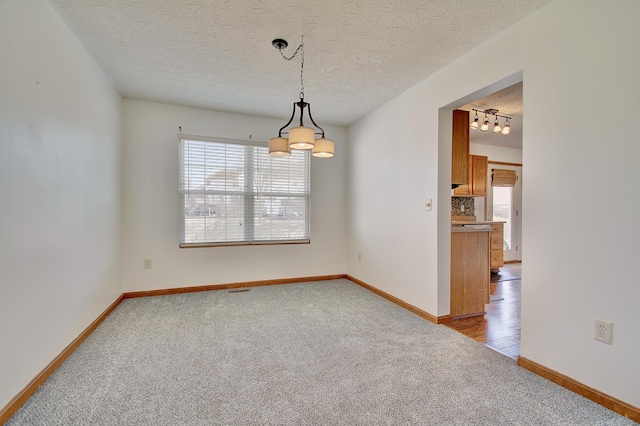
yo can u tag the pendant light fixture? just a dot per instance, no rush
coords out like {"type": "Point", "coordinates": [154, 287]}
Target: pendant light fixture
{"type": "Point", "coordinates": [301, 136]}
{"type": "Point", "coordinates": [496, 126]}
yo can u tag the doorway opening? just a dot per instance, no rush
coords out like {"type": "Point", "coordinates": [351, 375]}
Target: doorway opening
{"type": "Point", "coordinates": [500, 327]}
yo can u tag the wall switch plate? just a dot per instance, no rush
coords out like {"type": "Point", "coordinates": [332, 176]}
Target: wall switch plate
{"type": "Point", "coordinates": [359, 257]}
{"type": "Point", "coordinates": [603, 331]}
{"type": "Point", "coordinates": [147, 264]}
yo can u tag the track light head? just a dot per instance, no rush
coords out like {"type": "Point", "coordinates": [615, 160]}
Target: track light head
{"type": "Point", "coordinates": [507, 127]}
{"type": "Point", "coordinates": [496, 126]}
{"type": "Point", "coordinates": [485, 124]}
{"type": "Point", "coordinates": [475, 123]}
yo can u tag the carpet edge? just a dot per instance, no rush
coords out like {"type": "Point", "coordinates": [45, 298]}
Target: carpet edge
{"type": "Point", "coordinates": [14, 404]}
{"type": "Point", "coordinates": [423, 314]}
{"type": "Point", "coordinates": [210, 287]}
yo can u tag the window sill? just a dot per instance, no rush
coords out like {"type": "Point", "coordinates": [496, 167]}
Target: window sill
{"type": "Point", "coordinates": [243, 243]}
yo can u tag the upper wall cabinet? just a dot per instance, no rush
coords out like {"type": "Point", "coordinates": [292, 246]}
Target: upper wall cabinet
{"type": "Point", "coordinates": [460, 148]}
{"type": "Point", "coordinates": [477, 183]}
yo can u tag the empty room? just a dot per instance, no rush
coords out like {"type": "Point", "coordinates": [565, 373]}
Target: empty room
{"type": "Point", "coordinates": [242, 212]}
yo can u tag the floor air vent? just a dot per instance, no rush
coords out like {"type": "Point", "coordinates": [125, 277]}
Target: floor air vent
{"type": "Point", "coordinates": [238, 290]}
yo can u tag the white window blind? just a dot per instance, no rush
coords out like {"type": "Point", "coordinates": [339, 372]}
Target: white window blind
{"type": "Point", "coordinates": [232, 193]}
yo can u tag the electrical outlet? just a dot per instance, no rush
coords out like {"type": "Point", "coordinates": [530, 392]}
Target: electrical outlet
{"type": "Point", "coordinates": [603, 331]}
{"type": "Point", "coordinates": [147, 264]}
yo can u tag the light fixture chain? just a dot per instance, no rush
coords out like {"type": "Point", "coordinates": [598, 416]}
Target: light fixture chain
{"type": "Point", "coordinates": [294, 53]}
{"type": "Point", "coordinates": [302, 70]}
{"type": "Point", "coordinates": [301, 50]}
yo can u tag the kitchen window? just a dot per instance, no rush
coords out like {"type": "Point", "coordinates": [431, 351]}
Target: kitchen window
{"type": "Point", "coordinates": [233, 193]}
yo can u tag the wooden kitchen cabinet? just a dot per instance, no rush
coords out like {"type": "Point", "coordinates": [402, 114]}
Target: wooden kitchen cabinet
{"type": "Point", "coordinates": [470, 275]}
{"type": "Point", "coordinates": [460, 148]}
{"type": "Point", "coordinates": [477, 178]}
{"type": "Point", "coordinates": [479, 167]}
{"type": "Point", "coordinates": [497, 246]}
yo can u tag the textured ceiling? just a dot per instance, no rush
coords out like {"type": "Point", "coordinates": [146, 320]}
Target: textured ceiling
{"type": "Point", "coordinates": [217, 54]}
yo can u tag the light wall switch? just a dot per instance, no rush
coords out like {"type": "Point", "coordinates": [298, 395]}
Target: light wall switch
{"type": "Point", "coordinates": [428, 205]}
{"type": "Point", "coordinates": [148, 264]}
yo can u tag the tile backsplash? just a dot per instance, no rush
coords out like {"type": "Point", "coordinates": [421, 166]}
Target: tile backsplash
{"type": "Point", "coordinates": [457, 204]}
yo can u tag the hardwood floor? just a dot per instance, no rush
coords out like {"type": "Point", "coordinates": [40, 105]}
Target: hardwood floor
{"type": "Point", "coordinates": [499, 328]}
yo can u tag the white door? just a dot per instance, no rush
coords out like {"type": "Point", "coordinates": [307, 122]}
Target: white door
{"type": "Point", "coordinates": [505, 204]}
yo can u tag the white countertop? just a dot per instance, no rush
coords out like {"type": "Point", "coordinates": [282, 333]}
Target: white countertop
{"type": "Point", "coordinates": [475, 222]}
{"type": "Point", "coordinates": [472, 227]}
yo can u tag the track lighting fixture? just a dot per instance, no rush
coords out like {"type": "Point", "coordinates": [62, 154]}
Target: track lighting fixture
{"type": "Point", "coordinates": [496, 126]}
{"type": "Point", "coordinates": [300, 137]}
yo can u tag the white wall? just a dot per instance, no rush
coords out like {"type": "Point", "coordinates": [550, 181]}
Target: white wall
{"type": "Point", "coordinates": [390, 179]}
{"type": "Point", "coordinates": [573, 55]}
{"type": "Point", "coordinates": [60, 191]}
{"type": "Point", "coordinates": [151, 205]}
{"type": "Point", "coordinates": [497, 153]}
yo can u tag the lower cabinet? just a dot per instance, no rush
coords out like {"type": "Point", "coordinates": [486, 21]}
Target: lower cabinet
{"type": "Point", "coordinates": [497, 247]}
{"type": "Point", "coordinates": [469, 273]}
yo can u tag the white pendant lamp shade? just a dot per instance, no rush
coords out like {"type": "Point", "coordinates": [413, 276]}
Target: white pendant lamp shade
{"type": "Point", "coordinates": [475, 123]}
{"type": "Point", "coordinates": [301, 138]}
{"type": "Point", "coordinates": [506, 129]}
{"type": "Point", "coordinates": [323, 148]}
{"type": "Point", "coordinates": [279, 147]}
{"type": "Point", "coordinates": [496, 127]}
{"type": "Point", "coordinates": [485, 125]}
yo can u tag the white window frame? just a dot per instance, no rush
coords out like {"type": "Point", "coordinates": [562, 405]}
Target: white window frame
{"type": "Point", "coordinates": [258, 216]}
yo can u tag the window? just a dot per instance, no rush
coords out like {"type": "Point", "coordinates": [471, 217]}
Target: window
{"type": "Point", "coordinates": [233, 193]}
{"type": "Point", "coordinates": [502, 208]}
{"type": "Point", "coordinates": [503, 182]}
